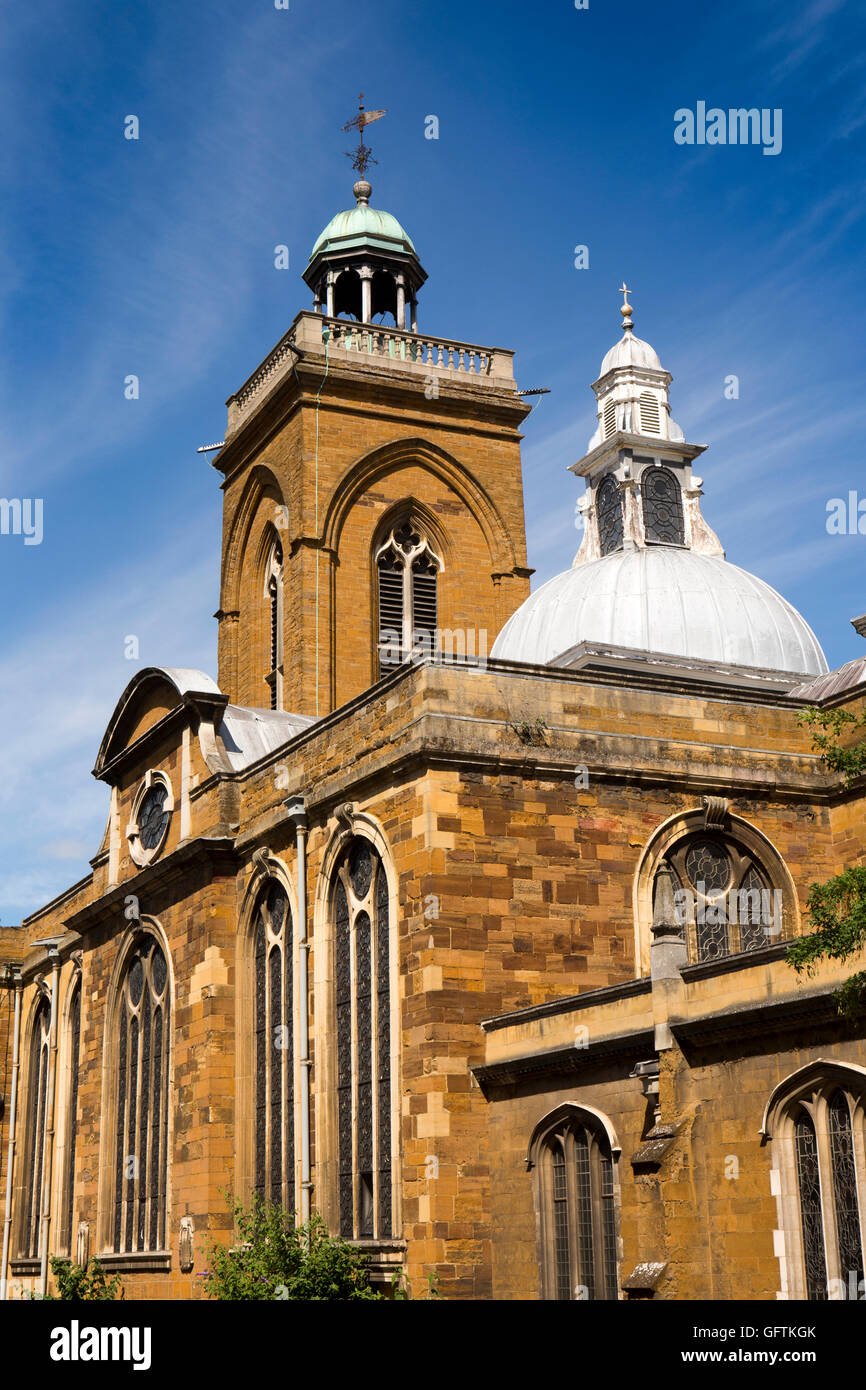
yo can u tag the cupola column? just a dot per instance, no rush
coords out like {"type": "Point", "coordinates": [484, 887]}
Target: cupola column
{"type": "Point", "coordinates": [414, 303]}
{"type": "Point", "coordinates": [366, 275]}
{"type": "Point", "coordinates": [401, 301]}
{"type": "Point", "coordinates": [330, 294]}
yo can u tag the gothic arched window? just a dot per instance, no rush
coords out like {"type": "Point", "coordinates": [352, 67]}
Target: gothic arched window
{"type": "Point", "coordinates": [363, 1006]}
{"type": "Point", "coordinates": [608, 501]}
{"type": "Point", "coordinates": [141, 1117]}
{"type": "Point", "coordinates": [724, 897]}
{"type": "Point", "coordinates": [662, 507]}
{"type": "Point", "coordinates": [274, 597]}
{"type": "Point", "coordinates": [71, 1132]}
{"type": "Point", "coordinates": [37, 1082]}
{"type": "Point", "coordinates": [408, 570]}
{"type": "Point", "coordinates": [820, 1130]}
{"type": "Point", "coordinates": [274, 1179]}
{"type": "Point", "coordinates": [575, 1196]}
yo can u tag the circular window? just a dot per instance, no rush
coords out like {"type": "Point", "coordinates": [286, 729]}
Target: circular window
{"type": "Point", "coordinates": [150, 818]}
{"type": "Point", "coordinates": [153, 818]}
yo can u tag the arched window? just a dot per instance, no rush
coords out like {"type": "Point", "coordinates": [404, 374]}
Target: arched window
{"type": "Point", "coordinates": [724, 897]}
{"type": "Point", "coordinates": [575, 1201]}
{"type": "Point", "coordinates": [662, 507]}
{"type": "Point", "coordinates": [274, 597]}
{"type": "Point", "coordinates": [608, 501]}
{"type": "Point", "coordinates": [71, 1130]}
{"type": "Point", "coordinates": [817, 1120]}
{"type": "Point", "coordinates": [363, 1003]}
{"type": "Point", "coordinates": [274, 1048]}
{"type": "Point", "coordinates": [37, 1082]}
{"type": "Point", "coordinates": [143, 1024]}
{"type": "Point", "coordinates": [407, 571]}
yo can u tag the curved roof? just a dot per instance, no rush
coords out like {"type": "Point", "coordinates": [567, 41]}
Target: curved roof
{"type": "Point", "coordinates": [631, 352]}
{"type": "Point", "coordinates": [363, 226]}
{"type": "Point", "coordinates": [667, 601]}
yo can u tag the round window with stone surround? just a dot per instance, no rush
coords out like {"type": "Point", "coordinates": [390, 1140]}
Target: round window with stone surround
{"type": "Point", "coordinates": [151, 814]}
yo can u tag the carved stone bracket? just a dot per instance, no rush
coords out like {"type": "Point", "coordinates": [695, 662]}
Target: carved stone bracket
{"type": "Point", "coordinates": [716, 810]}
{"type": "Point", "coordinates": [345, 813]}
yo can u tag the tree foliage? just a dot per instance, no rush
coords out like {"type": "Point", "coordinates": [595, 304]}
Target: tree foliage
{"type": "Point", "coordinates": [273, 1259]}
{"type": "Point", "coordinates": [837, 908]}
{"type": "Point", "coordinates": [83, 1284]}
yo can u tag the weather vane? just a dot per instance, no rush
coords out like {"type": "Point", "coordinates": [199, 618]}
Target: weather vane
{"type": "Point", "coordinates": [361, 156]}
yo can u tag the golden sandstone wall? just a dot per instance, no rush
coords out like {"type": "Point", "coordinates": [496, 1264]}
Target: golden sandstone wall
{"type": "Point", "coordinates": [515, 888]}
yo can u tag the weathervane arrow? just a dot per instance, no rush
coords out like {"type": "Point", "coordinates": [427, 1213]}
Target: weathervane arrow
{"type": "Point", "coordinates": [361, 155]}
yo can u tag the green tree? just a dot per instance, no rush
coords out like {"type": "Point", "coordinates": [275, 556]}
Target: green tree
{"type": "Point", "coordinates": [275, 1259]}
{"type": "Point", "coordinates": [83, 1284]}
{"type": "Point", "coordinates": [837, 908]}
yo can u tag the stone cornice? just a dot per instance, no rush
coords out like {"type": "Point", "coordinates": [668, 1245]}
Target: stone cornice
{"type": "Point", "coordinates": [562, 1061]}
{"type": "Point", "coordinates": [156, 877]}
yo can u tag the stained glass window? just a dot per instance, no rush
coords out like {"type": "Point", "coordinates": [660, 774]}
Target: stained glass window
{"type": "Point", "coordinates": [363, 1003]}
{"type": "Point", "coordinates": [274, 1047]}
{"type": "Point", "coordinates": [808, 1179]}
{"type": "Point", "coordinates": [724, 896]}
{"type": "Point", "coordinates": [845, 1195]}
{"type": "Point", "coordinates": [74, 1027]}
{"type": "Point", "coordinates": [662, 507]}
{"type": "Point", "coordinates": [608, 501]}
{"type": "Point", "coordinates": [141, 1128]}
{"type": "Point", "coordinates": [578, 1219]}
{"type": "Point", "coordinates": [36, 1092]}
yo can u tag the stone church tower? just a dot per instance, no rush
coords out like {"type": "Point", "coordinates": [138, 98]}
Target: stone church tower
{"type": "Point", "coordinates": [341, 439]}
{"type": "Point", "coordinates": [455, 913]}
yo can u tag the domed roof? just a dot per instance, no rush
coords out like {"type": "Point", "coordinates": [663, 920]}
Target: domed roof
{"type": "Point", "coordinates": [631, 352]}
{"type": "Point", "coordinates": [665, 600]}
{"type": "Point", "coordinates": [363, 226]}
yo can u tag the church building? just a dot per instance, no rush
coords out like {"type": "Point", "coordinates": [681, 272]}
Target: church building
{"type": "Point", "coordinates": [455, 912]}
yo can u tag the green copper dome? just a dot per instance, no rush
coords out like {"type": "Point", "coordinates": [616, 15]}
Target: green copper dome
{"type": "Point", "coordinates": [363, 227]}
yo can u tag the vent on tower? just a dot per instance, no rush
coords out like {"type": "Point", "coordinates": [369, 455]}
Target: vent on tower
{"type": "Point", "coordinates": [609, 419]}
{"type": "Point", "coordinates": [649, 414]}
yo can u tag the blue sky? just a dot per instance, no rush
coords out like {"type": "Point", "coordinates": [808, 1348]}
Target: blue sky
{"type": "Point", "coordinates": [156, 258]}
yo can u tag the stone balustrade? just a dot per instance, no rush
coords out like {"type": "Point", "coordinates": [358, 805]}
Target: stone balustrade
{"type": "Point", "coordinates": [423, 354]}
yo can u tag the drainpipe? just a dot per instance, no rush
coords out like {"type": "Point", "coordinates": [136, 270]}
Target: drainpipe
{"type": "Point", "coordinates": [48, 1162]}
{"type": "Point", "coordinates": [297, 813]}
{"type": "Point", "coordinates": [13, 1108]}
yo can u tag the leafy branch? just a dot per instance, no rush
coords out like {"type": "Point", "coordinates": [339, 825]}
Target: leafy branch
{"type": "Point", "coordinates": [837, 908]}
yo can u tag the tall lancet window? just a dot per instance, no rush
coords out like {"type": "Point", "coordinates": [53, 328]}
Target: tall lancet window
{"type": "Point", "coordinates": [363, 1000]}
{"type": "Point", "coordinates": [576, 1215]}
{"type": "Point", "coordinates": [274, 1048]}
{"type": "Point", "coordinates": [37, 1082]}
{"type": "Point", "coordinates": [141, 1120]}
{"type": "Point", "coordinates": [608, 501]}
{"type": "Point", "coordinates": [662, 507]}
{"type": "Point", "coordinates": [408, 571]}
{"type": "Point", "coordinates": [74, 1049]}
{"type": "Point", "coordinates": [816, 1121]}
{"type": "Point", "coordinates": [274, 597]}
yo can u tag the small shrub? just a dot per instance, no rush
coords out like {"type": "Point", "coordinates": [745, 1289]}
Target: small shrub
{"type": "Point", "coordinates": [83, 1284]}
{"type": "Point", "coordinates": [275, 1259]}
